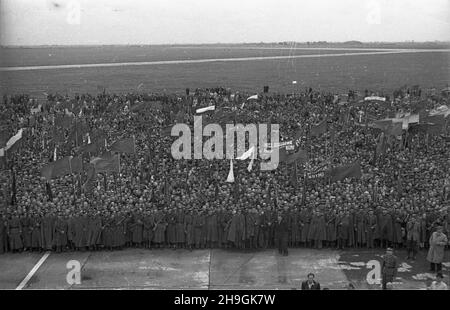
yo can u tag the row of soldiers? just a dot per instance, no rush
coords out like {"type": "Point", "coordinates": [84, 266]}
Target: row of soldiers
{"type": "Point", "coordinates": [88, 230]}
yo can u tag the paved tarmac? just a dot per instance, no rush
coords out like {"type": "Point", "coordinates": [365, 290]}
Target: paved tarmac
{"type": "Point", "coordinates": [201, 269]}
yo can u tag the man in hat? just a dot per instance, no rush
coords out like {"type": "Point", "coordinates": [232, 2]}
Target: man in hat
{"type": "Point", "coordinates": [282, 234]}
{"type": "Point", "coordinates": [388, 268]}
{"type": "Point", "coordinates": [438, 241]}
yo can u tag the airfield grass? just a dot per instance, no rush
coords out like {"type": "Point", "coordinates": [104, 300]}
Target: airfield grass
{"type": "Point", "coordinates": [382, 73]}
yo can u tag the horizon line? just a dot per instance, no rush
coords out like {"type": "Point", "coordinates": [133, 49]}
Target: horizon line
{"type": "Point", "coordinates": [357, 42]}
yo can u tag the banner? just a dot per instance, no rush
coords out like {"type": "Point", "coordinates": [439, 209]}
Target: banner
{"type": "Point", "coordinates": [347, 171]}
{"type": "Point", "coordinates": [202, 110]}
{"type": "Point", "coordinates": [14, 139]}
{"type": "Point", "coordinates": [319, 129]}
{"type": "Point", "coordinates": [126, 145]}
{"type": "Point", "coordinates": [300, 155]}
{"type": "Point", "coordinates": [90, 148]}
{"type": "Point", "coordinates": [106, 164]}
{"type": "Point", "coordinates": [374, 98]}
{"type": "Point", "coordinates": [55, 169]}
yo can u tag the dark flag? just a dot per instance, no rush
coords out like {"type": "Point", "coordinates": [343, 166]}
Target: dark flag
{"type": "Point", "coordinates": [300, 155]}
{"type": "Point", "coordinates": [106, 164]}
{"type": "Point", "coordinates": [49, 191]}
{"type": "Point", "coordinates": [347, 171]}
{"type": "Point", "coordinates": [13, 196]}
{"type": "Point", "coordinates": [319, 129]}
{"type": "Point", "coordinates": [294, 182]}
{"type": "Point", "coordinates": [90, 148]}
{"type": "Point", "coordinates": [126, 145]}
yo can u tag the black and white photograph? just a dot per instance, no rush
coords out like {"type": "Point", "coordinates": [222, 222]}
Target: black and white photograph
{"type": "Point", "coordinates": [224, 151]}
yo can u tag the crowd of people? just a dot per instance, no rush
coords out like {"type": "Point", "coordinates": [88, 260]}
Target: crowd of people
{"type": "Point", "coordinates": [156, 201]}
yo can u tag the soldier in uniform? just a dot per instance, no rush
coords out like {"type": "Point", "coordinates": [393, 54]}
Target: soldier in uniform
{"type": "Point", "coordinates": [388, 268]}
{"type": "Point", "coordinates": [282, 234]}
{"type": "Point", "coordinates": [412, 237]}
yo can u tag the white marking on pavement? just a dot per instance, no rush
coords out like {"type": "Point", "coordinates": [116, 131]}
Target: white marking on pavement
{"type": "Point", "coordinates": [193, 61]}
{"type": "Point", "coordinates": [33, 271]}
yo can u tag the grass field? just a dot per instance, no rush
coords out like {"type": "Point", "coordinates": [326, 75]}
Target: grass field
{"type": "Point", "coordinates": [381, 72]}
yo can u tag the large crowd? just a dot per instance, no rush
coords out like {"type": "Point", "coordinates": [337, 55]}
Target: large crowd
{"type": "Point", "coordinates": [156, 201]}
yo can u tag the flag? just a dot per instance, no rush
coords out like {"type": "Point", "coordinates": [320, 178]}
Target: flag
{"type": "Point", "coordinates": [300, 155]}
{"type": "Point", "coordinates": [395, 129]}
{"type": "Point", "coordinates": [76, 164]}
{"type": "Point", "coordinates": [77, 131]}
{"type": "Point", "coordinates": [374, 98]}
{"type": "Point", "coordinates": [294, 182]}
{"type": "Point", "coordinates": [202, 110]}
{"type": "Point", "coordinates": [126, 145]}
{"type": "Point", "coordinates": [250, 164]}
{"type": "Point", "coordinates": [437, 119]}
{"type": "Point", "coordinates": [137, 107]}
{"type": "Point", "coordinates": [14, 139]}
{"type": "Point", "coordinates": [319, 129]}
{"type": "Point", "coordinates": [230, 178]}
{"type": "Point", "coordinates": [434, 129]}
{"type": "Point", "coordinates": [90, 148]}
{"type": "Point", "coordinates": [347, 171]}
{"type": "Point", "coordinates": [88, 186]}
{"type": "Point", "coordinates": [254, 97]}
{"type": "Point", "coordinates": [380, 145]}
{"type": "Point", "coordinates": [54, 154]}
{"type": "Point", "coordinates": [247, 154]}
{"type": "Point", "coordinates": [106, 164]}
{"type": "Point", "coordinates": [55, 169]}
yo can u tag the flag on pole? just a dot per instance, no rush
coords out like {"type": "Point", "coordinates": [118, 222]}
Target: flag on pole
{"type": "Point", "coordinates": [374, 98]}
{"type": "Point", "coordinates": [250, 164]}
{"type": "Point", "coordinates": [56, 169]}
{"type": "Point", "coordinates": [202, 110]}
{"type": "Point", "coordinates": [106, 164]}
{"type": "Point", "coordinates": [300, 155]}
{"type": "Point", "coordinates": [319, 128]}
{"type": "Point", "coordinates": [126, 145]}
{"type": "Point", "coordinates": [346, 171]}
{"type": "Point", "coordinates": [230, 178]}
{"type": "Point", "coordinates": [14, 139]}
{"type": "Point", "coordinates": [247, 154]}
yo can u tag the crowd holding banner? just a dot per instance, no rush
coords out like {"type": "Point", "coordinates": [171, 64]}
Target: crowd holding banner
{"type": "Point", "coordinates": [96, 171]}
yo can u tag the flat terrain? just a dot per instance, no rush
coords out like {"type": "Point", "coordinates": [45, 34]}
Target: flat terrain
{"type": "Point", "coordinates": [335, 69]}
{"type": "Point", "coordinates": [206, 269]}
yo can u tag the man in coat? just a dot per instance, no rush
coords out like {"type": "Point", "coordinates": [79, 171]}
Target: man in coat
{"type": "Point", "coordinates": [282, 234]}
{"type": "Point", "coordinates": [388, 267]}
{"type": "Point", "coordinates": [412, 237]}
{"type": "Point", "coordinates": [438, 241]}
{"type": "Point", "coordinates": [310, 284]}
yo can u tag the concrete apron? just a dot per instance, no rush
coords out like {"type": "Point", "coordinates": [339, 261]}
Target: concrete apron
{"type": "Point", "coordinates": [175, 269]}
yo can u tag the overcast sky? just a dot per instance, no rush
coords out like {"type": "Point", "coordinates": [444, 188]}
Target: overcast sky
{"type": "Point", "coordinates": [38, 22]}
